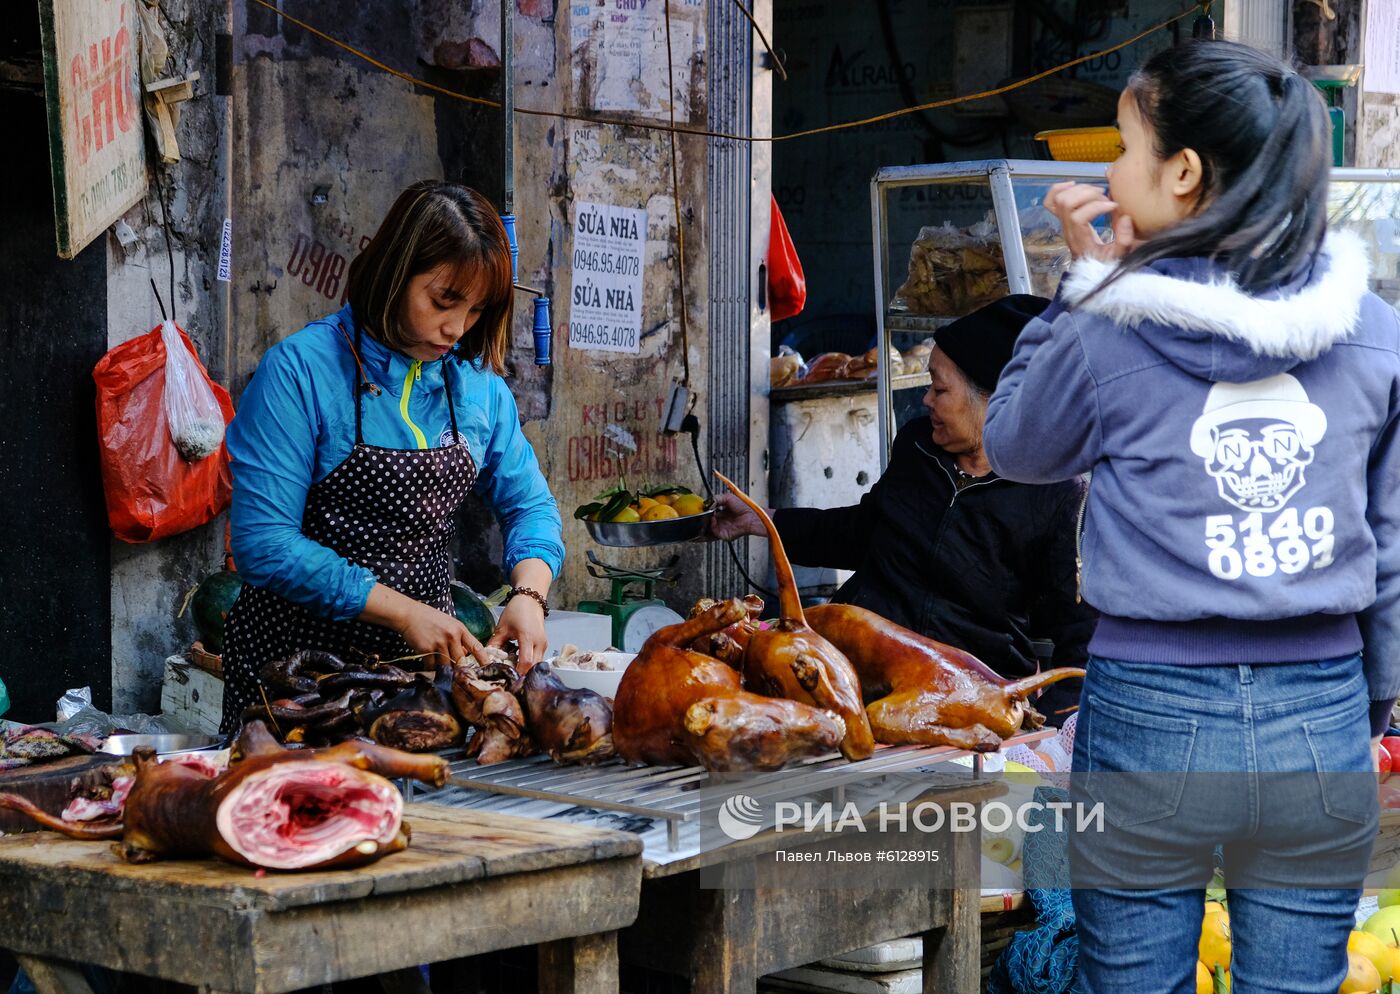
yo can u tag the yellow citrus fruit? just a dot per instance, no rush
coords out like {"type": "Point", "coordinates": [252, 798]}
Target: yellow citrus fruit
{"type": "Point", "coordinates": [645, 502]}
{"type": "Point", "coordinates": [1391, 969]}
{"type": "Point", "coordinates": [659, 512]}
{"type": "Point", "coordinates": [666, 499]}
{"type": "Point", "coordinates": [1215, 940]}
{"type": "Point", "coordinates": [1204, 983]}
{"type": "Point", "coordinates": [1362, 976]}
{"type": "Point", "coordinates": [1372, 948]}
{"type": "Point", "coordinates": [627, 516]}
{"type": "Point", "coordinates": [688, 504]}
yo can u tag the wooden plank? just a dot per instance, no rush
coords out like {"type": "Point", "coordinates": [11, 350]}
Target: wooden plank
{"type": "Point", "coordinates": [386, 933]}
{"type": "Point", "coordinates": [253, 950]}
{"type": "Point", "coordinates": [992, 904]}
{"type": "Point", "coordinates": [448, 846]}
{"type": "Point", "coordinates": [585, 964]}
{"type": "Point", "coordinates": [686, 929]}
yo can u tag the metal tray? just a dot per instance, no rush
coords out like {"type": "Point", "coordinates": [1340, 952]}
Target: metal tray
{"type": "Point", "coordinates": [165, 745]}
{"type": "Point", "coordinates": [621, 535]}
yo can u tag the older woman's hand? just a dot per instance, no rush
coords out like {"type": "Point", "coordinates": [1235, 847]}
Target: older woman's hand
{"type": "Point", "coordinates": [732, 519]}
{"type": "Point", "coordinates": [1077, 205]}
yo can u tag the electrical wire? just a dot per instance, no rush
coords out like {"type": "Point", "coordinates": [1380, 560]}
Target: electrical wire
{"type": "Point", "coordinates": [702, 132]}
{"type": "Point", "coordinates": [676, 198]}
{"type": "Point", "coordinates": [169, 251]}
{"type": "Point", "coordinates": [691, 426]}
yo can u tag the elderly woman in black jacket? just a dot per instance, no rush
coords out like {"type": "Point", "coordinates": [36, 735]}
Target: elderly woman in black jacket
{"type": "Point", "coordinates": [941, 544]}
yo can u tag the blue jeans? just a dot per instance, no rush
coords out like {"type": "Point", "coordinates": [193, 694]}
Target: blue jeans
{"type": "Point", "coordinates": [1272, 762]}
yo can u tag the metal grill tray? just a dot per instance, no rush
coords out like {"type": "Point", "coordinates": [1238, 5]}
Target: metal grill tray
{"type": "Point", "coordinates": [680, 794]}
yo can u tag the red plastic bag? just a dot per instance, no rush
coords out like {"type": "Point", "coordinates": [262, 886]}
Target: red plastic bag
{"type": "Point", "coordinates": [151, 490]}
{"type": "Point", "coordinates": [787, 286]}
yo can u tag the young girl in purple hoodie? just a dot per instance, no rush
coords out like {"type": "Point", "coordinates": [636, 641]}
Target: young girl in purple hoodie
{"type": "Point", "coordinates": [1222, 370]}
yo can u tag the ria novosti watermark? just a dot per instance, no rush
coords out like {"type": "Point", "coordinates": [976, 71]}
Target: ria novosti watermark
{"type": "Point", "coordinates": [740, 817]}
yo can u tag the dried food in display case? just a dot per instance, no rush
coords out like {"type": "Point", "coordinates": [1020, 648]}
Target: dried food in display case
{"type": "Point", "coordinates": [951, 237]}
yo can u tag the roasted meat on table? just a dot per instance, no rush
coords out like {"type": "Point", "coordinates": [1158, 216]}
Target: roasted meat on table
{"type": "Point", "coordinates": [418, 718]}
{"type": "Point", "coordinates": [571, 725]}
{"type": "Point", "coordinates": [923, 692]}
{"type": "Point", "coordinates": [793, 661]}
{"type": "Point", "coordinates": [486, 698]}
{"type": "Point", "coordinates": [273, 808]}
{"type": "Point", "coordinates": [679, 706]}
{"type": "Point", "coordinates": [731, 643]}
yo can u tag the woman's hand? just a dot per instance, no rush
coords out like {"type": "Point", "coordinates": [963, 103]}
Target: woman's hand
{"type": "Point", "coordinates": [446, 639]}
{"type": "Point", "coordinates": [522, 619]}
{"type": "Point", "coordinates": [733, 519]}
{"type": "Point", "coordinates": [440, 636]}
{"type": "Point", "coordinates": [522, 622]}
{"type": "Point", "coordinates": [1077, 205]}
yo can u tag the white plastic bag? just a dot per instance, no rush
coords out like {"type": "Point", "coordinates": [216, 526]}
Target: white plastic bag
{"type": "Point", "coordinates": [192, 410]}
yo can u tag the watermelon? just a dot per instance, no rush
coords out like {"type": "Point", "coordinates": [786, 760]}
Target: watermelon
{"type": "Point", "coordinates": [211, 605]}
{"type": "Point", "coordinates": [472, 612]}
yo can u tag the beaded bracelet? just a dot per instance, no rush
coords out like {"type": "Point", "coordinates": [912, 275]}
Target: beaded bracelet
{"type": "Point", "coordinates": [534, 595]}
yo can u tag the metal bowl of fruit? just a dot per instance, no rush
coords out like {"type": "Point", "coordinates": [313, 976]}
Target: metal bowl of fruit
{"type": "Point", "coordinates": [629, 519]}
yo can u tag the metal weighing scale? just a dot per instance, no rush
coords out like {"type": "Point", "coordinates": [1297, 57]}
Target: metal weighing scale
{"type": "Point", "coordinates": [635, 613]}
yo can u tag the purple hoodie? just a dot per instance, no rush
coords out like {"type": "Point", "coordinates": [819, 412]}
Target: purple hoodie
{"type": "Point", "coordinates": [1245, 503]}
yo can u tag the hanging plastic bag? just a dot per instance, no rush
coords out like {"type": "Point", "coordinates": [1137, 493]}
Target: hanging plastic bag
{"type": "Point", "coordinates": [152, 490]}
{"type": "Point", "coordinates": [196, 423]}
{"type": "Point", "coordinates": [787, 286]}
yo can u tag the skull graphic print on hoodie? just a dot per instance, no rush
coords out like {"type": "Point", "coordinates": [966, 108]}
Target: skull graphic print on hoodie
{"type": "Point", "coordinates": [1245, 496]}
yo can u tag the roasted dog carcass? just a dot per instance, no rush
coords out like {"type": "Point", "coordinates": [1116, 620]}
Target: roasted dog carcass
{"type": "Point", "coordinates": [924, 692]}
{"type": "Point", "coordinates": [676, 705]}
{"type": "Point", "coordinates": [573, 726]}
{"type": "Point", "coordinates": [730, 644]}
{"type": "Point", "coordinates": [282, 809]}
{"type": "Point", "coordinates": [485, 697]}
{"type": "Point", "coordinates": [793, 661]}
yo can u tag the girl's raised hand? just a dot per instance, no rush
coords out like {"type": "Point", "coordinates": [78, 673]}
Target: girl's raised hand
{"type": "Point", "coordinates": [1077, 205]}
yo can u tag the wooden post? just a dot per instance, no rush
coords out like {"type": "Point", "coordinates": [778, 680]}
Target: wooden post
{"type": "Point", "coordinates": [585, 964]}
{"type": "Point", "coordinates": [952, 963]}
{"type": "Point", "coordinates": [726, 959]}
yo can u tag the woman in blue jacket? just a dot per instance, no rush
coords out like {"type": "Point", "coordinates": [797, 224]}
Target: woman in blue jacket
{"type": "Point", "coordinates": [358, 439]}
{"type": "Point", "coordinates": [1224, 372]}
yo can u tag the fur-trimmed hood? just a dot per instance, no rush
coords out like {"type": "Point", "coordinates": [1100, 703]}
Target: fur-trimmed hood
{"type": "Point", "coordinates": [1197, 317]}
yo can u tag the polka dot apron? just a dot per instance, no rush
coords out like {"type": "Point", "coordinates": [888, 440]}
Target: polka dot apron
{"type": "Point", "coordinates": [392, 511]}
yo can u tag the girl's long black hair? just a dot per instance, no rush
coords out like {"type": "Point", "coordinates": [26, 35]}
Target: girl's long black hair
{"type": "Point", "coordinates": [1263, 136]}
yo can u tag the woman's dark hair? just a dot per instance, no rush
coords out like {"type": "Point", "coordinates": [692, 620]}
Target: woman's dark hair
{"type": "Point", "coordinates": [435, 223]}
{"type": "Point", "coordinates": [1264, 140]}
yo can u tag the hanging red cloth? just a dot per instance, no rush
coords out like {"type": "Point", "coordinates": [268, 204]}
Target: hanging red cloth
{"type": "Point", "coordinates": [787, 286]}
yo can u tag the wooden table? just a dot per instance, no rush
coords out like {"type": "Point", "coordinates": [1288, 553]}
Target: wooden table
{"type": "Point", "coordinates": [725, 939]}
{"type": "Point", "coordinates": [470, 882]}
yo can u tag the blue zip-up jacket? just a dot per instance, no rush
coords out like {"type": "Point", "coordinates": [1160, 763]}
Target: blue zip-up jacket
{"type": "Point", "coordinates": [296, 423]}
{"type": "Point", "coordinates": [1244, 454]}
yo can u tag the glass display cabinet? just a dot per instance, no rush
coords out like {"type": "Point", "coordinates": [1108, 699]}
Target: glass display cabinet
{"type": "Point", "coordinates": [952, 237]}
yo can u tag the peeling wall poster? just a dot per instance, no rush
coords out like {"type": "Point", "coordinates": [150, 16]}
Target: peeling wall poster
{"type": "Point", "coordinates": [605, 301]}
{"type": "Point", "coordinates": [620, 56]}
